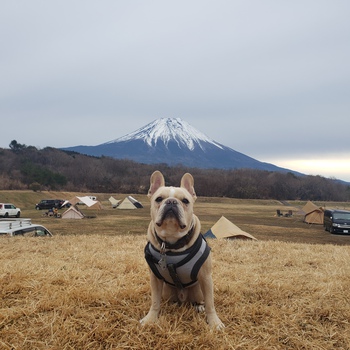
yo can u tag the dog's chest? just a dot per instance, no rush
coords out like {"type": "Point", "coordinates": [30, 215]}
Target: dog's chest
{"type": "Point", "coordinates": [178, 269]}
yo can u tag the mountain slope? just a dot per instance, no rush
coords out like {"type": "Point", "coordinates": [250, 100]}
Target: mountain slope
{"type": "Point", "coordinates": [173, 141]}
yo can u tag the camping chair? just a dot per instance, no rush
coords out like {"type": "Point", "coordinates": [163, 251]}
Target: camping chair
{"type": "Point", "coordinates": [279, 212]}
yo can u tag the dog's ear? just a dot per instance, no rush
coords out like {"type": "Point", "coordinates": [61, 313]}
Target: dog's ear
{"type": "Point", "coordinates": [157, 180]}
{"type": "Point", "coordinates": [188, 183]}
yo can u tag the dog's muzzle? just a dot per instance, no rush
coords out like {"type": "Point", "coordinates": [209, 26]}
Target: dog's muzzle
{"type": "Point", "coordinates": [170, 210]}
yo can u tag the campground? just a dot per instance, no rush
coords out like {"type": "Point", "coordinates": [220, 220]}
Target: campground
{"type": "Point", "coordinates": [257, 217]}
{"type": "Point", "coordinates": [88, 285]}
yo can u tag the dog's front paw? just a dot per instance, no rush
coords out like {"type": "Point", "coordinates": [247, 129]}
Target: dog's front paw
{"type": "Point", "coordinates": [150, 318]}
{"type": "Point", "coordinates": [215, 323]}
{"type": "Point", "coordinates": [199, 307]}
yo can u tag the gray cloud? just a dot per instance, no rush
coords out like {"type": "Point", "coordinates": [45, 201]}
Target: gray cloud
{"type": "Point", "coordinates": [265, 78]}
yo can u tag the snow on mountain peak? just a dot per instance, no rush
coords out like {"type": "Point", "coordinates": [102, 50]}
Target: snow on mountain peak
{"type": "Point", "coordinates": [166, 130]}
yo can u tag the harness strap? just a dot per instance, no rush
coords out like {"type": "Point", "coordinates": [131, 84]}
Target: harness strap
{"type": "Point", "coordinates": [152, 261]}
{"type": "Point", "coordinates": [200, 261]}
{"type": "Point", "coordinates": [179, 243]}
{"type": "Point", "coordinates": [175, 276]}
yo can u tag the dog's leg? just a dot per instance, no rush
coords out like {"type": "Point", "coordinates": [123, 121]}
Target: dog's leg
{"type": "Point", "coordinates": [208, 292]}
{"type": "Point", "coordinates": [195, 297]}
{"type": "Point", "coordinates": [156, 296]}
{"type": "Point", "coordinates": [169, 293]}
{"type": "Point", "coordinates": [206, 283]}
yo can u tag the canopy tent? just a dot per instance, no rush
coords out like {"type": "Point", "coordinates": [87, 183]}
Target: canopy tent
{"type": "Point", "coordinates": [129, 203]}
{"type": "Point", "coordinates": [313, 213]}
{"type": "Point", "coordinates": [224, 228]}
{"type": "Point", "coordinates": [90, 203]}
{"type": "Point", "coordinates": [113, 201]}
{"type": "Point", "coordinates": [72, 213]}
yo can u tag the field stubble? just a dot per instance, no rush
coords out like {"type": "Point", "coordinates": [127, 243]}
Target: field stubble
{"type": "Point", "coordinates": [88, 285]}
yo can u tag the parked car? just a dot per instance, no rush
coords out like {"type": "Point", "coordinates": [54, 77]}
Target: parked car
{"type": "Point", "coordinates": [49, 204]}
{"type": "Point", "coordinates": [337, 221]}
{"type": "Point", "coordinates": [8, 209]}
{"type": "Point", "coordinates": [24, 227]}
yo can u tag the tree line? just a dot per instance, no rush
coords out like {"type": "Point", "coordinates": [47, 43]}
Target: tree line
{"type": "Point", "coordinates": [26, 167]}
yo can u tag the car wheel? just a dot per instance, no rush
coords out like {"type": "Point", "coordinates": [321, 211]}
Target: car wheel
{"type": "Point", "coordinates": [6, 215]}
{"type": "Point", "coordinates": [37, 208]}
{"type": "Point", "coordinates": [18, 214]}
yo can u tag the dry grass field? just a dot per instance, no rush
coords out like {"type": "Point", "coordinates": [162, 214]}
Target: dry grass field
{"type": "Point", "coordinates": [88, 285]}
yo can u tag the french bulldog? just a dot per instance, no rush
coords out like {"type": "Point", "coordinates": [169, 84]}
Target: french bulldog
{"type": "Point", "coordinates": [178, 256]}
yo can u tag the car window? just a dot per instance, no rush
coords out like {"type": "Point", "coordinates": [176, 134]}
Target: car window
{"type": "Point", "coordinates": [32, 232]}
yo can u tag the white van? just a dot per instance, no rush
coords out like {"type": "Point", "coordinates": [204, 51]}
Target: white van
{"type": "Point", "coordinates": [8, 209]}
{"type": "Point", "coordinates": [23, 227]}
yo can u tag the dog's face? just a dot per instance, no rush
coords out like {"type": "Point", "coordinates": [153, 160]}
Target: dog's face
{"type": "Point", "coordinates": [172, 207]}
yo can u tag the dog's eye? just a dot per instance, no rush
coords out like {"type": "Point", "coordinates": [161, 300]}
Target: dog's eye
{"type": "Point", "coordinates": [159, 199]}
{"type": "Point", "coordinates": [185, 201]}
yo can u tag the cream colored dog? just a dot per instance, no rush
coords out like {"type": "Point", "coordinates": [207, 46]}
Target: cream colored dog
{"type": "Point", "coordinates": [177, 254]}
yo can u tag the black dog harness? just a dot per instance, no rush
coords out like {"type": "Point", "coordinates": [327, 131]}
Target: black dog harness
{"type": "Point", "coordinates": [179, 269]}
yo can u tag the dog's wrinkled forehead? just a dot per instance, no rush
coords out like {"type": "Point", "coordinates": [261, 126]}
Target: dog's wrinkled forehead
{"type": "Point", "coordinates": [173, 192]}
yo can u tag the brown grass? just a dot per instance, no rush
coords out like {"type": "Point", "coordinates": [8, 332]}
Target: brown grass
{"type": "Point", "coordinates": [88, 286]}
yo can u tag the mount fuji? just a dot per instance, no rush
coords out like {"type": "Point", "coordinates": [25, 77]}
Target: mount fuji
{"type": "Point", "coordinates": [173, 141]}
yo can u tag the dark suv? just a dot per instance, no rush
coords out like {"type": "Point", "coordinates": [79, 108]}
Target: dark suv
{"type": "Point", "coordinates": [49, 204]}
{"type": "Point", "coordinates": [337, 221]}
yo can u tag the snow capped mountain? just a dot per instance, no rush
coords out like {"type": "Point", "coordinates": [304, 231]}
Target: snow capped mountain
{"type": "Point", "coordinates": [169, 130]}
{"type": "Point", "coordinates": [173, 141]}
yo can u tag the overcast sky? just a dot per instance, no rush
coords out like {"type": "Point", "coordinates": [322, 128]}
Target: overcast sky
{"type": "Point", "coordinates": [270, 79]}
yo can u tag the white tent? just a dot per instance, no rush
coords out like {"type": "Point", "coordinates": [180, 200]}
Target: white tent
{"type": "Point", "coordinates": [72, 213]}
{"type": "Point", "coordinates": [129, 202]}
{"type": "Point", "coordinates": [90, 203]}
{"type": "Point", "coordinates": [224, 228]}
{"type": "Point", "coordinates": [114, 202]}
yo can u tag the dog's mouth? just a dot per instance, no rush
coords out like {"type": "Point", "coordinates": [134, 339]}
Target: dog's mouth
{"type": "Point", "coordinates": [171, 211]}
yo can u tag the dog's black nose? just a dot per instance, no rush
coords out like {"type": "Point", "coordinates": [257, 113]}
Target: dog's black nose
{"type": "Point", "coordinates": [171, 202]}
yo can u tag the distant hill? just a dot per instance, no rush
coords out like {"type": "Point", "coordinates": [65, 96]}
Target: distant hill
{"type": "Point", "coordinates": [173, 141]}
{"type": "Point", "coordinates": [25, 167]}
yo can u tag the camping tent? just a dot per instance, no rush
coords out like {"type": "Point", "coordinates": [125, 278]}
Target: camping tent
{"type": "Point", "coordinates": [114, 202]}
{"type": "Point", "coordinates": [313, 213]}
{"type": "Point", "coordinates": [129, 203]}
{"type": "Point", "coordinates": [72, 213]}
{"type": "Point", "coordinates": [90, 203]}
{"type": "Point", "coordinates": [224, 228]}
